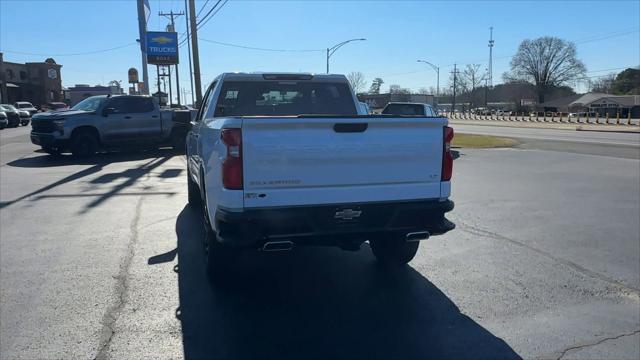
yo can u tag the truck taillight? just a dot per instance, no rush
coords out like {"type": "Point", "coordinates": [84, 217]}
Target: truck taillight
{"type": "Point", "coordinates": [232, 164]}
{"type": "Point", "coordinates": [447, 156]}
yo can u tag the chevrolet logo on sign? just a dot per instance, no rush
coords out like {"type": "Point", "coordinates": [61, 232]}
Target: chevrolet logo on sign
{"type": "Point", "coordinates": [347, 214]}
{"type": "Point", "coordinates": [161, 40]}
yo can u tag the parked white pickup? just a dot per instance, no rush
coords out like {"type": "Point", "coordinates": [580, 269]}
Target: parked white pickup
{"type": "Point", "coordinates": [281, 160]}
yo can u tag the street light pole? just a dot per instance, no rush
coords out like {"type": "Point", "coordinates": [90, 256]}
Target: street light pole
{"type": "Point", "coordinates": [437, 69]}
{"type": "Point", "coordinates": [335, 47]}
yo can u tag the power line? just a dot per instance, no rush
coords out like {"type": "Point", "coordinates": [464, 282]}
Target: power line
{"type": "Point", "coordinates": [72, 54]}
{"type": "Point", "coordinates": [592, 38]}
{"type": "Point", "coordinates": [620, 31]}
{"type": "Point", "coordinates": [183, 40]}
{"type": "Point", "coordinates": [208, 13]}
{"type": "Point", "coordinates": [259, 48]}
{"type": "Point", "coordinates": [206, 19]}
{"type": "Point", "coordinates": [202, 8]}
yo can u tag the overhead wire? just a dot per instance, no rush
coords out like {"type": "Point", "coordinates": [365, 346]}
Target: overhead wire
{"type": "Point", "coordinates": [73, 54]}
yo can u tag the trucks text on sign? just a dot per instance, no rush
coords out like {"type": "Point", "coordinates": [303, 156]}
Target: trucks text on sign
{"type": "Point", "coordinates": [162, 48]}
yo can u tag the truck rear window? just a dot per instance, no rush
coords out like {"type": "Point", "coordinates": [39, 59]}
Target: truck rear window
{"type": "Point", "coordinates": [404, 109]}
{"type": "Point", "coordinates": [284, 98]}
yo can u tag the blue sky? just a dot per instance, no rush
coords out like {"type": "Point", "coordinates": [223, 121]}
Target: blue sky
{"type": "Point", "coordinates": [607, 34]}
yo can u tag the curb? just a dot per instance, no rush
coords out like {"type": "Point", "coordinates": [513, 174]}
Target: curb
{"type": "Point", "coordinates": [579, 128]}
{"type": "Point", "coordinates": [566, 127]}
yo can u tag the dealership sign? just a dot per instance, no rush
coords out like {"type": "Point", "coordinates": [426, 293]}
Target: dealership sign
{"type": "Point", "coordinates": [162, 48]}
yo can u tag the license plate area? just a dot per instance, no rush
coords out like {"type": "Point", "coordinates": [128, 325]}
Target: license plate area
{"type": "Point", "coordinates": [348, 215]}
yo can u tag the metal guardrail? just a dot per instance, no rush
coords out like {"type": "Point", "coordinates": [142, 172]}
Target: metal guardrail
{"type": "Point", "coordinates": [559, 119]}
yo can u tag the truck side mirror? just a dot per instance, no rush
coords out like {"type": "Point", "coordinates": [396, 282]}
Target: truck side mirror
{"type": "Point", "coordinates": [181, 117]}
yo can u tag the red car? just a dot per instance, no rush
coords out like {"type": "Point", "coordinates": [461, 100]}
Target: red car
{"type": "Point", "coordinates": [54, 106]}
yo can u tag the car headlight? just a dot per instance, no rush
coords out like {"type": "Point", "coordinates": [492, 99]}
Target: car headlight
{"type": "Point", "coordinates": [59, 124]}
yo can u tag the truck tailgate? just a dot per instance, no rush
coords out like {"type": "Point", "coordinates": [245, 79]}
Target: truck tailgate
{"type": "Point", "coordinates": [332, 160]}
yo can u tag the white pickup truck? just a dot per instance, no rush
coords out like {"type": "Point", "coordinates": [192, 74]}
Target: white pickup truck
{"type": "Point", "coordinates": [284, 160]}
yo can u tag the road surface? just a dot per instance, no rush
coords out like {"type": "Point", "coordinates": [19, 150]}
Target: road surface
{"type": "Point", "coordinates": [103, 259]}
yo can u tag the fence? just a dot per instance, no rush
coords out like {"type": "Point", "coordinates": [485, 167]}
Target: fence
{"type": "Point", "coordinates": [553, 118]}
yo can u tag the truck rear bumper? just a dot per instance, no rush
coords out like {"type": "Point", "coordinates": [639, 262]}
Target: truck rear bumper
{"type": "Point", "coordinates": [331, 224]}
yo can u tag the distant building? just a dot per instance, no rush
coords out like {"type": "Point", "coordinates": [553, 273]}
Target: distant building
{"type": "Point", "coordinates": [36, 82]}
{"type": "Point", "coordinates": [77, 93]}
{"type": "Point", "coordinates": [378, 101]}
{"type": "Point", "coordinates": [600, 103]}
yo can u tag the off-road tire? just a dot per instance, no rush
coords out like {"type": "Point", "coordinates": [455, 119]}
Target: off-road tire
{"type": "Point", "coordinates": [193, 191]}
{"type": "Point", "coordinates": [84, 144]}
{"type": "Point", "coordinates": [393, 250]}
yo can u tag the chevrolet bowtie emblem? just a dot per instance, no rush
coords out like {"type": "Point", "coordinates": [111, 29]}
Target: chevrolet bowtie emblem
{"type": "Point", "coordinates": [161, 40]}
{"type": "Point", "coordinates": [347, 214]}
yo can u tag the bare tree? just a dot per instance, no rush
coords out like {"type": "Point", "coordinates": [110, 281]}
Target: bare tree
{"type": "Point", "coordinates": [425, 90]}
{"type": "Point", "coordinates": [546, 61]}
{"type": "Point", "coordinates": [376, 84]}
{"type": "Point", "coordinates": [462, 86]}
{"type": "Point", "coordinates": [394, 89]}
{"type": "Point", "coordinates": [397, 89]}
{"type": "Point", "coordinates": [473, 76]}
{"type": "Point", "coordinates": [356, 79]}
{"type": "Point", "coordinates": [603, 84]}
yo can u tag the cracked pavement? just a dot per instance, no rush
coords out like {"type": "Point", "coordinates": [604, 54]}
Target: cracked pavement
{"type": "Point", "coordinates": [102, 260]}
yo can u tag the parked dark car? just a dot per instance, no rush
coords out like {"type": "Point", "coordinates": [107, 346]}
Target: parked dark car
{"type": "Point", "coordinates": [13, 116]}
{"type": "Point", "coordinates": [3, 120]}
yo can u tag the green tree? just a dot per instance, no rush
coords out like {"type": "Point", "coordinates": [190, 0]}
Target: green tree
{"type": "Point", "coordinates": [376, 84]}
{"type": "Point", "coordinates": [627, 82]}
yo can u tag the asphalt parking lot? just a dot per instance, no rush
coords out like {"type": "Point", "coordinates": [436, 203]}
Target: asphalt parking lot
{"type": "Point", "coordinates": [103, 259]}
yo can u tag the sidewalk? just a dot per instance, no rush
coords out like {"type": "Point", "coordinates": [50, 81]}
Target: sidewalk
{"type": "Point", "coordinates": [550, 125]}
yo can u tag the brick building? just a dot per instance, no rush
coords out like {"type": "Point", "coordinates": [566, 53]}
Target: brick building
{"type": "Point", "coordinates": [36, 82]}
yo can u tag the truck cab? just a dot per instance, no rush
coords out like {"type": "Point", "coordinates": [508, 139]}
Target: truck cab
{"type": "Point", "coordinates": [407, 108]}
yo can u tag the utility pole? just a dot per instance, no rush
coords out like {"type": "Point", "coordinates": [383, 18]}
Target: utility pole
{"type": "Point", "coordinates": [455, 79]}
{"type": "Point", "coordinates": [491, 56]}
{"type": "Point", "coordinates": [142, 29]}
{"type": "Point", "coordinates": [186, 19]}
{"type": "Point", "coordinates": [172, 28]}
{"type": "Point", "coordinates": [158, 78]}
{"type": "Point", "coordinates": [196, 53]}
{"type": "Point", "coordinates": [170, 95]}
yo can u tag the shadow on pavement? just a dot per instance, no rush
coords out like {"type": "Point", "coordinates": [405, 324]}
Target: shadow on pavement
{"type": "Point", "coordinates": [319, 303]}
{"type": "Point", "coordinates": [45, 160]}
{"type": "Point", "coordinates": [100, 160]}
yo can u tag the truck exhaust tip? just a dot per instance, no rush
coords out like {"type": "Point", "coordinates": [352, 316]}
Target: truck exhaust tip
{"type": "Point", "coordinates": [417, 236]}
{"type": "Point", "coordinates": [277, 246]}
